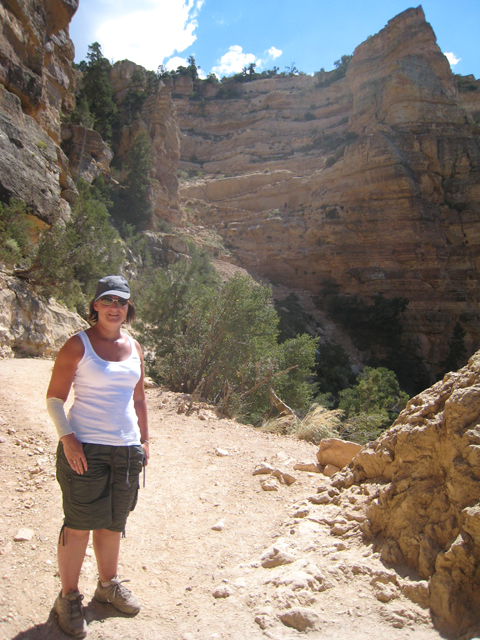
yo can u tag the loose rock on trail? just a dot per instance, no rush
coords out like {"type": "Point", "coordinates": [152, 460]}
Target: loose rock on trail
{"type": "Point", "coordinates": [209, 552]}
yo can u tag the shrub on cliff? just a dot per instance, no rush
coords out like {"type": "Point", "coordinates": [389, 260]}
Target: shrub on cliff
{"type": "Point", "coordinates": [70, 257]}
{"type": "Point", "coordinates": [220, 339]}
{"type": "Point", "coordinates": [15, 241]}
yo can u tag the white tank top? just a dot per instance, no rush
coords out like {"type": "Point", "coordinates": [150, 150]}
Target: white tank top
{"type": "Point", "coordinates": [103, 411]}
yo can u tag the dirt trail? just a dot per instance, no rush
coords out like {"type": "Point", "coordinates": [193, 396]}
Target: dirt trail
{"type": "Point", "coordinates": [171, 554]}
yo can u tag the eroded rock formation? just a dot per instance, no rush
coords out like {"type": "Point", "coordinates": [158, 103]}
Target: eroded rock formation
{"type": "Point", "coordinates": [370, 184]}
{"type": "Point", "coordinates": [32, 326]}
{"type": "Point", "coordinates": [422, 482]}
{"type": "Point", "coordinates": [157, 119]}
{"type": "Point", "coordinates": [36, 83]}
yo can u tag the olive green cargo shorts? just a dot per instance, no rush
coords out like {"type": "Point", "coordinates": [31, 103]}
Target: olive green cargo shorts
{"type": "Point", "coordinates": [103, 496]}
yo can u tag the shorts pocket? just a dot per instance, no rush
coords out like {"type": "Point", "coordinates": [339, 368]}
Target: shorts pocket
{"type": "Point", "coordinates": [86, 501]}
{"type": "Point", "coordinates": [84, 490]}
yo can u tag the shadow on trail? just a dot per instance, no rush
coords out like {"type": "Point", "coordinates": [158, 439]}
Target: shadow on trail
{"type": "Point", "coordinates": [49, 630]}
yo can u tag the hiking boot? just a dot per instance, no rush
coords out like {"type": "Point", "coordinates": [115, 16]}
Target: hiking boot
{"type": "Point", "coordinates": [118, 595]}
{"type": "Point", "coordinates": [71, 618]}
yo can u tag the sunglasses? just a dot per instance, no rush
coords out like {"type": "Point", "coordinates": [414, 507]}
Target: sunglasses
{"type": "Point", "coordinates": [107, 301]}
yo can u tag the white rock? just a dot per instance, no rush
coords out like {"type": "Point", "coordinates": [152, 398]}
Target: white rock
{"type": "Point", "coordinates": [219, 526]}
{"type": "Point", "coordinates": [223, 591]}
{"type": "Point", "coordinates": [310, 467]}
{"type": "Point", "coordinates": [24, 535]}
{"type": "Point", "coordinates": [263, 468]}
{"type": "Point", "coordinates": [221, 452]}
{"type": "Point", "coordinates": [300, 618]}
{"type": "Point", "coordinates": [270, 484]}
{"type": "Point", "coordinates": [276, 556]}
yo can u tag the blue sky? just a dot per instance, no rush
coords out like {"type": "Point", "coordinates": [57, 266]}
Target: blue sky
{"type": "Point", "coordinates": [225, 35]}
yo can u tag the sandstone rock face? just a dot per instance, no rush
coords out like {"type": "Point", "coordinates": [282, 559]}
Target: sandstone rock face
{"type": "Point", "coordinates": [370, 184]}
{"type": "Point", "coordinates": [29, 168]}
{"type": "Point", "coordinates": [31, 326]}
{"type": "Point", "coordinates": [36, 85]}
{"type": "Point", "coordinates": [89, 156]}
{"type": "Point", "coordinates": [422, 477]}
{"type": "Point", "coordinates": [36, 57]}
{"type": "Point", "coordinates": [157, 118]}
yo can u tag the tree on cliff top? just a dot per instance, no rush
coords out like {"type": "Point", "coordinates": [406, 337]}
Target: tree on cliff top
{"type": "Point", "coordinates": [98, 91]}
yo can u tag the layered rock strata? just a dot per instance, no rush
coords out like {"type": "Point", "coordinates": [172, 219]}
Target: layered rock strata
{"type": "Point", "coordinates": [36, 83]}
{"type": "Point", "coordinates": [370, 184]}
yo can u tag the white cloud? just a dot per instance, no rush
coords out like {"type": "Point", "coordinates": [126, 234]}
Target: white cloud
{"type": "Point", "coordinates": [151, 33]}
{"type": "Point", "coordinates": [175, 62]}
{"type": "Point", "coordinates": [234, 60]}
{"type": "Point", "coordinates": [273, 52]}
{"type": "Point", "coordinates": [452, 58]}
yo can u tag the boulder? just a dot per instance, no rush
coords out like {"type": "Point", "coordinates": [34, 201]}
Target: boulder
{"type": "Point", "coordinates": [31, 325]}
{"type": "Point", "coordinates": [337, 452]}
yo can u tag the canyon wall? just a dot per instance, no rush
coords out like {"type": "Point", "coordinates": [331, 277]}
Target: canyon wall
{"type": "Point", "coordinates": [366, 185]}
{"type": "Point", "coordinates": [36, 86]}
{"type": "Point", "coordinates": [158, 120]}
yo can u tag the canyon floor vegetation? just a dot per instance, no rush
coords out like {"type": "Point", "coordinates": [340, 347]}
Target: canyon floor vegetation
{"type": "Point", "coordinates": [222, 341]}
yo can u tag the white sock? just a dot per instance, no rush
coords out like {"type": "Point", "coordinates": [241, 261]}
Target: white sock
{"type": "Point", "coordinates": [106, 584]}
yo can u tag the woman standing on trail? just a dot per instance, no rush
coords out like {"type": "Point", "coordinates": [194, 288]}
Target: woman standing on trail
{"type": "Point", "coordinates": [103, 445]}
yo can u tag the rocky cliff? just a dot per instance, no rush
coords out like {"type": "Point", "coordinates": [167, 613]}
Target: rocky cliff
{"type": "Point", "coordinates": [36, 86]}
{"type": "Point", "coordinates": [158, 120]}
{"type": "Point", "coordinates": [366, 185]}
{"type": "Point", "coordinates": [31, 325]}
{"type": "Point", "coordinates": [420, 482]}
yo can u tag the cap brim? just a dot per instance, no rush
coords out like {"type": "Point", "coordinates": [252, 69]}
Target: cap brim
{"type": "Point", "coordinates": [112, 292]}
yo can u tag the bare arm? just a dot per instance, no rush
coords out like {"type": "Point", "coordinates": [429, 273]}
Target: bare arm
{"type": "Point", "coordinates": [60, 384]}
{"type": "Point", "coordinates": [140, 405]}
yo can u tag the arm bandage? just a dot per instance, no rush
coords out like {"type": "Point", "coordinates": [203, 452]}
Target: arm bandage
{"type": "Point", "coordinates": [56, 411]}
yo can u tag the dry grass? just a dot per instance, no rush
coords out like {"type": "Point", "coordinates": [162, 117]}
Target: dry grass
{"type": "Point", "coordinates": [319, 423]}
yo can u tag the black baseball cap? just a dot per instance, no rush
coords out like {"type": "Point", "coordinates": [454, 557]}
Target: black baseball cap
{"type": "Point", "coordinates": [112, 286]}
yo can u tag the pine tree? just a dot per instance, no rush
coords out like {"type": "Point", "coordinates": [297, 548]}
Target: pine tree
{"type": "Point", "coordinates": [98, 91]}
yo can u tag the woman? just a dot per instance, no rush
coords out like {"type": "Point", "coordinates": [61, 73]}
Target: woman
{"type": "Point", "coordinates": [103, 445]}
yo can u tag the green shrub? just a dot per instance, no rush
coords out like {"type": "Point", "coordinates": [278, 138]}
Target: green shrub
{"type": "Point", "coordinates": [221, 338]}
{"type": "Point", "coordinates": [365, 427]}
{"type": "Point", "coordinates": [72, 256]}
{"type": "Point", "coordinates": [377, 391]}
{"type": "Point", "coordinates": [16, 247]}
{"type": "Point", "coordinates": [332, 369]}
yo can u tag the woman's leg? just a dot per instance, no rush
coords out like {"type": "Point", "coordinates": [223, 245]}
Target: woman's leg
{"type": "Point", "coordinates": [106, 545]}
{"type": "Point", "coordinates": [109, 588]}
{"type": "Point", "coordinates": [71, 552]}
